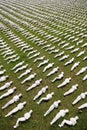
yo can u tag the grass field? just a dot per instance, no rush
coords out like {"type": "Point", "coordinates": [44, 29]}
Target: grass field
{"type": "Point", "coordinates": [37, 24]}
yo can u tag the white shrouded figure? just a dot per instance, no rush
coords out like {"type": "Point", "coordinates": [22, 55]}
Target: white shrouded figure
{"type": "Point", "coordinates": [1, 66]}
{"type": "Point", "coordinates": [26, 116]}
{"type": "Point", "coordinates": [43, 63]}
{"type": "Point", "coordinates": [2, 72]}
{"type": "Point", "coordinates": [69, 62]}
{"type": "Point", "coordinates": [58, 55]}
{"type": "Point", "coordinates": [50, 48]}
{"type": "Point", "coordinates": [25, 73]}
{"type": "Point", "coordinates": [71, 90]}
{"type": "Point", "coordinates": [43, 90]}
{"type": "Point", "coordinates": [35, 55]}
{"type": "Point", "coordinates": [85, 77]}
{"type": "Point", "coordinates": [48, 66]}
{"type": "Point", "coordinates": [82, 70]}
{"type": "Point", "coordinates": [65, 82]}
{"type": "Point", "coordinates": [9, 92]}
{"type": "Point", "coordinates": [19, 107]}
{"type": "Point", "coordinates": [13, 100]}
{"type": "Point", "coordinates": [37, 83]}
{"type": "Point", "coordinates": [81, 53]}
{"type": "Point", "coordinates": [32, 76]}
{"type": "Point", "coordinates": [39, 58]}
{"type": "Point", "coordinates": [46, 46]}
{"type": "Point", "coordinates": [71, 37]}
{"type": "Point", "coordinates": [60, 76]}
{"type": "Point", "coordinates": [60, 114]}
{"type": "Point", "coordinates": [71, 122]}
{"type": "Point", "coordinates": [81, 96]}
{"type": "Point", "coordinates": [82, 106]}
{"type": "Point", "coordinates": [3, 78]}
{"type": "Point", "coordinates": [21, 45]}
{"type": "Point", "coordinates": [75, 50]}
{"type": "Point", "coordinates": [84, 45]}
{"type": "Point", "coordinates": [64, 57]}
{"type": "Point", "coordinates": [24, 47]}
{"type": "Point", "coordinates": [69, 48]}
{"type": "Point", "coordinates": [28, 49]}
{"type": "Point", "coordinates": [6, 85]}
{"type": "Point", "coordinates": [11, 57]}
{"type": "Point", "coordinates": [61, 43]}
{"type": "Point", "coordinates": [53, 71]}
{"type": "Point", "coordinates": [65, 45]}
{"type": "Point", "coordinates": [21, 68]}
{"type": "Point", "coordinates": [54, 51]}
{"type": "Point", "coordinates": [5, 51]}
{"type": "Point", "coordinates": [8, 54]}
{"type": "Point", "coordinates": [52, 107]}
{"type": "Point", "coordinates": [48, 97]}
{"type": "Point", "coordinates": [31, 52]}
{"type": "Point", "coordinates": [85, 58]}
{"type": "Point", "coordinates": [18, 65]}
{"type": "Point", "coordinates": [13, 60]}
{"type": "Point", "coordinates": [75, 65]}
{"type": "Point", "coordinates": [80, 41]}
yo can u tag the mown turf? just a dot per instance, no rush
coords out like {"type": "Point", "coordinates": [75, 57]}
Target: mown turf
{"type": "Point", "coordinates": [55, 21]}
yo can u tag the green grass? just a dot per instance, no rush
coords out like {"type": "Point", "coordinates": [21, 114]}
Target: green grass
{"type": "Point", "coordinates": [38, 121]}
